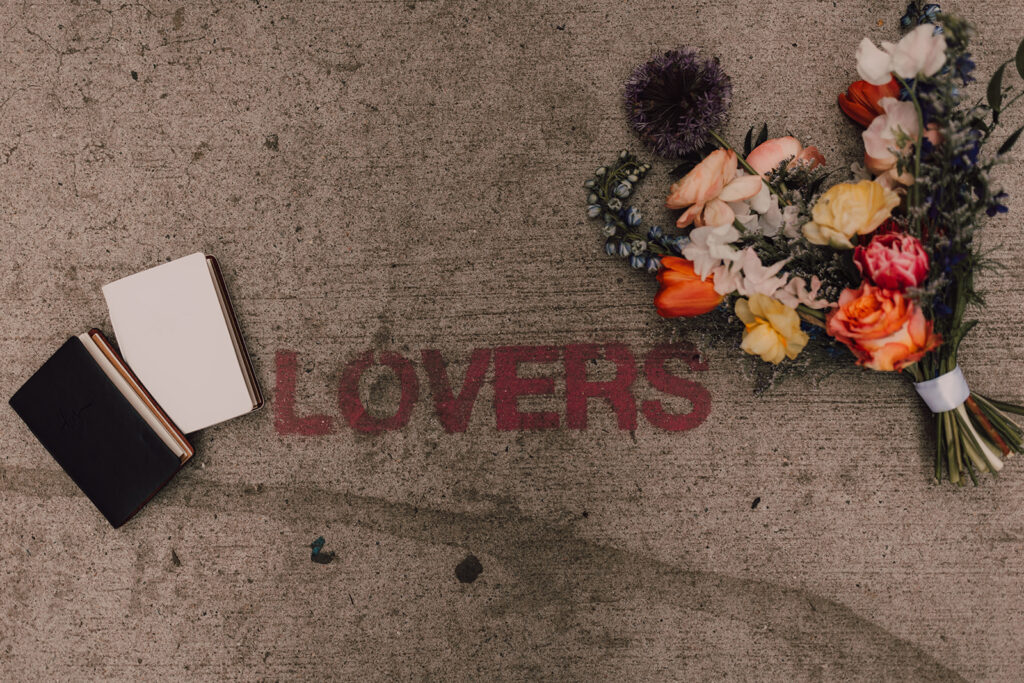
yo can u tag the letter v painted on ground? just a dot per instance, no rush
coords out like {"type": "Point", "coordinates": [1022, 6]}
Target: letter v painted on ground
{"type": "Point", "coordinates": [454, 411]}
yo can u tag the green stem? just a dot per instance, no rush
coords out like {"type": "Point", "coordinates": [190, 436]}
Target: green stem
{"type": "Point", "coordinates": [917, 149]}
{"type": "Point", "coordinates": [1004, 406]}
{"type": "Point", "coordinates": [945, 439]}
{"type": "Point", "coordinates": [817, 316]}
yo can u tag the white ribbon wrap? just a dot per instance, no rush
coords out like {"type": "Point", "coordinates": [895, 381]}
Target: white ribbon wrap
{"type": "Point", "coordinates": [945, 392]}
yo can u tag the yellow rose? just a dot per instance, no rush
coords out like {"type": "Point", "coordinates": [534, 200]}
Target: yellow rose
{"type": "Point", "coordinates": [773, 329]}
{"type": "Point", "coordinates": [849, 209]}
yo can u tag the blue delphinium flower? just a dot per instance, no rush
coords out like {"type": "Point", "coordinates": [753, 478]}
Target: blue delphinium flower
{"type": "Point", "coordinates": [916, 15]}
{"type": "Point", "coordinates": [997, 205]}
{"type": "Point", "coordinates": [967, 155]}
{"type": "Point", "coordinates": [963, 67]}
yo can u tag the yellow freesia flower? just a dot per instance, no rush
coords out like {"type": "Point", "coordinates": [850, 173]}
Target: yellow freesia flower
{"type": "Point", "coordinates": [849, 209]}
{"type": "Point", "coordinates": [773, 329]}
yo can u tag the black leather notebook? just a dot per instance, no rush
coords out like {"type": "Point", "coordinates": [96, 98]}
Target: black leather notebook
{"type": "Point", "coordinates": [88, 425]}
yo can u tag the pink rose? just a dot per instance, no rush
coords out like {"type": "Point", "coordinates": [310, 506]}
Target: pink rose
{"type": "Point", "coordinates": [893, 261]}
{"type": "Point", "coordinates": [770, 153]}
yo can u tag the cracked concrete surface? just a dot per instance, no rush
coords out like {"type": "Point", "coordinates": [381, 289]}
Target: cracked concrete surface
{"type": "Point", "coordinates": [400, 176]}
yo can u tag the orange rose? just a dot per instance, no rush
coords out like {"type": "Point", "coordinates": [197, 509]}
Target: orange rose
{"type": "Point", "coordinates": [885, 330]}
{"type": "Point", "coordinates": [683, 293]}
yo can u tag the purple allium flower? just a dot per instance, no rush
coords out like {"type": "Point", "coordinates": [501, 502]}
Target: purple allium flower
{"type": "Point", "coordinates": [674, 100]}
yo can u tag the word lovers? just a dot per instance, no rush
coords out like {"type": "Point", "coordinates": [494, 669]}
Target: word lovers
{"type": "Point", "coordinates": [452, 398]}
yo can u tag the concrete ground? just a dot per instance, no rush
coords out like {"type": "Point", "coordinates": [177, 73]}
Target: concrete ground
{"type": "Point", "coordinates": [406, 176]}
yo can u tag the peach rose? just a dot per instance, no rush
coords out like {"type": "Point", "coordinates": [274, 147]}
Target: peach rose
{"type": "Point", "coordinates": [770, 153]}
{"type": "Point", "coordinates": [884, 329]}
{"type": "Point", "coordinates": [704, 191]}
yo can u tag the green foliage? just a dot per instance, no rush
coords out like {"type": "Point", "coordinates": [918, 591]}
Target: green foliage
{"type": "Point", "coordinates": [994, 93]}
{"type": "Point", "coordinates": [1019, 59]}
{"type": "Point", "coordinates": [1010, 141]}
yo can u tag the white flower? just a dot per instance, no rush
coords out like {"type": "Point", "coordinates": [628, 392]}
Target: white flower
{"type": "Point", "coordinates": [759, 214]}
{"type": "Point", "coordinates": [757, 279]}
{"type": "Point", "coordinates": [918, 52]}
{"type": "Point", "coordinates": [761, 202]}
{"type": "Point", "coordinates": [791, 222]}
{"type": "Point", "coordinates": [710, 246]}
{"type": "Point", "coordinates": [746, 275]}
{"type": "Point", "coordinates": [873, 65]}
{"type": "Point", "coordinates": [796, 292]}
{"type": "Point", "coordinates": [889, 136]}
{"type": "Point", "coordinates": [726, 280]}
{"type": "Point", "coordinates": [771, 221]}
{"type": "Point", "coordinates": [859, 172]}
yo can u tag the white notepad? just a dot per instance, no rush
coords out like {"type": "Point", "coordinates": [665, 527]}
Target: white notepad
{"type": "Point", "coordinates": [175, 329]}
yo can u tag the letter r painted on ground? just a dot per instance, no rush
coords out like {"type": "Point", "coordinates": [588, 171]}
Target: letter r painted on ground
{"type": "Point", "coordinates": [618, 391]}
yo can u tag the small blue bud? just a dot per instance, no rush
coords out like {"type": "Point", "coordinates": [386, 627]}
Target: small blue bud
{"type": "Point", "coordinates": [653, 264]}
{"type": "Point", "coordinates": [610, 248]}
{"type": "Point", "coordinates": [589, 184]}
{"type": "Point", "coordinates": [677, 244]}
{"type": "Point", "coordinates": [633, 217]}
{"type": "Point", "coordinates": [654, 233]}
{"type": "Point", "coordinates": [623, 189]}
{"type": "Point", "coordinates": [600, 172]}
{"type": "Point", "coordinates": [624, 250]}
{"type": "Point", "coordinates": [637, 262]}
{"type": "Point", "coordinates": [608, 229]}
{"type": "Point", "coordinates": [632, 178]}
{"type": "Point", "coordinates": [594, 210]}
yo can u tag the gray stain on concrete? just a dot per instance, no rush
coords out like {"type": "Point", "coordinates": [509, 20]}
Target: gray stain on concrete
{"type": "Point", "coordinates": [559, 572]}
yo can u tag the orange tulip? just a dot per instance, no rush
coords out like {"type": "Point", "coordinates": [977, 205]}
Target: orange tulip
{"type": "Point", "coordinates": [683, 293]}
{"type": "Point", "coordinates": [860, 101]}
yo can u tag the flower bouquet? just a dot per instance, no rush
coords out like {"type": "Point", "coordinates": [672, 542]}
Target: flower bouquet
{"type": "Point", "coordinates": [883, 263]}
